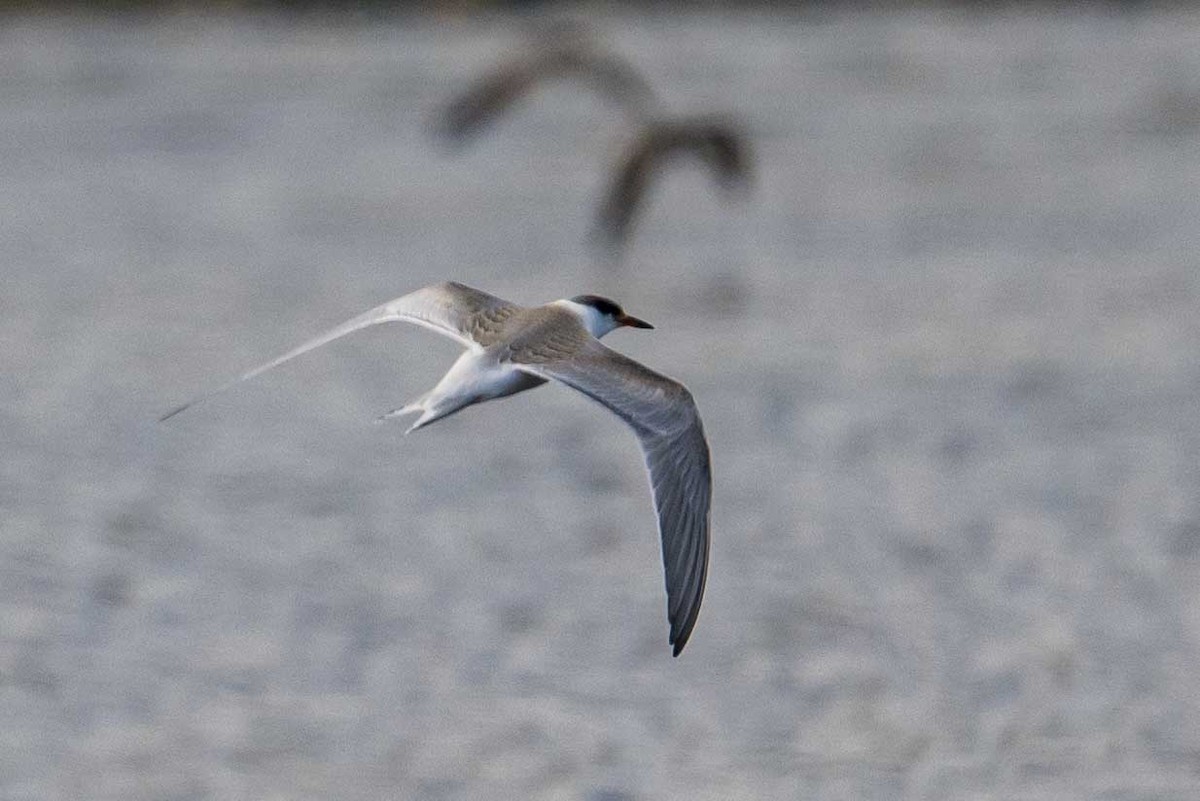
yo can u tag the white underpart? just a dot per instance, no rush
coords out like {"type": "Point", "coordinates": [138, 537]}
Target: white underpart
{"type": "Point", "coordinates": [477, 376]}
{"type": "Point", "coordinates": [593, 320]}
{"type": "Point", "coordinates": [474, 378]}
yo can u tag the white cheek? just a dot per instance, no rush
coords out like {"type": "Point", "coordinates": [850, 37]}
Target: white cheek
{"type": "Point", "coordinates": [601, 324]}
{"type": "Point", "coordinates": [596, 323]}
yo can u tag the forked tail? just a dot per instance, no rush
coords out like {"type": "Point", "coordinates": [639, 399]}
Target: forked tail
{"type": "Point", "coordinates": [430, 411]}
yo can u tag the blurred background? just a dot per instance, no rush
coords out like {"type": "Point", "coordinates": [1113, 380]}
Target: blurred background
{"type": "Point", "coordinates": [946, 353]}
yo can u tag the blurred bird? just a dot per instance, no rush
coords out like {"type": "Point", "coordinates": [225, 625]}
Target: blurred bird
{"type": "Point", "coordinates": [718, 143]}
{"type": "Point", "coordinates": [563, 51]}
{"type": "Point", "coordinates": [568, 49]}
{"type": "Point", "coordinates": [511, 348]}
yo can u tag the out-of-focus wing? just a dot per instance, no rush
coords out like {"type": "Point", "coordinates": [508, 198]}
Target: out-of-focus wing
{"type": "Point", "coordinates": [717, 143]}
{"type": "Point", "coordinates": [625, 193]}
{"type": "Point", "coordinates": [468, 316]}
{"type": "Point", "coordinates": [488, 97]}
{"type": "Point", "coordinates": [664, 417]}
{"type": "Point", "coordinates": [494, 93]}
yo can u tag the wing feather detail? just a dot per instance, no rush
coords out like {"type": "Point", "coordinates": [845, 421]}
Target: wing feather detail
{"type": "Point", "coordinates": [469, 316]}
{"type": "Point", "coordinates": [663, 415]}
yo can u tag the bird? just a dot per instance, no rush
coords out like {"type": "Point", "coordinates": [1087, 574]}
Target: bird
{"type": "Point", "coordinates": [562, 51]}
{"type": "Point", "coordinates": [569, 50]}
{"type": "Point", "coordinates": [510, 349]}
{"type": "Point", "coordinates": [717, 142]}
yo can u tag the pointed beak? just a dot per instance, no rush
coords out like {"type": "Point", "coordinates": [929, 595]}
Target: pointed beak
{"type": "Point", "coordinates": [633, 322]}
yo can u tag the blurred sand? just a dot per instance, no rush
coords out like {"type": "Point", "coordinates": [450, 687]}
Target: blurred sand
{"type": "Point", "coordinates": [947, 359]}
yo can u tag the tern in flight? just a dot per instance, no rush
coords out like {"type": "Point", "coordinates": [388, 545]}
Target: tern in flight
{"type": "Point", "coordinates": [511, 348]}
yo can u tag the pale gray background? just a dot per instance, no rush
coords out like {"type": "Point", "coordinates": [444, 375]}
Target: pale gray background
{"type": "Point", "coordinates": [947, 357]}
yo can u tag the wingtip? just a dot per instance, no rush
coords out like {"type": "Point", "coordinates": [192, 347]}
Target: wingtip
{"type": "Point", "coordinates": [681, 629]}
{"type": "Point", "coordinates": [452, 138]}
{"type": "Point", "coordinates": [173, 412]}
{"type": "Point", "coordinates": [607, 240]}
{"type": "Point", "coordinates": [678, 640]}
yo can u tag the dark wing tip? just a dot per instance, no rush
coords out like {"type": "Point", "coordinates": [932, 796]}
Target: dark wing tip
{"type": "Point", "coordinates": [685, 618]}
{"type": "Point", "coordinates": [458, 124]}
{"type": "Point", "coordinates": [681, 629]}
{"type": "Point", "coordinates": [682, 618]}
{"type": "Point", "coordinates": [174, 412]}
{"type": "Point", "coordinates": [619, 205]}
{"type": "Point", "coordinates": [680, 639]}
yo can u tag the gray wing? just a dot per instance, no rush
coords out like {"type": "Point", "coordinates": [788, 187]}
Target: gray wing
{"type": "Point", "coordinates": [664, 417]}
{"type": "Point", "coordinates": [716, 142]}
{"type": "Point", "coordinates": [487, 98]}
{"type": "Point", "coordinates": [494, 93]}
{"type": "Point", "coordinates": [468, 316]}
{"type": "Point", "coordinates": [626, 191]}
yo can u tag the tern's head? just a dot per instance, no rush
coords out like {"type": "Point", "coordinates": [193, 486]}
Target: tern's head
{"type": "Point", "coordinates": [601, 315]}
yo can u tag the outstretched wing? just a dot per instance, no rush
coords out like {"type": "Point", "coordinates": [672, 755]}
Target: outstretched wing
{"type": "Point", "coordinates": [625, 193]}
{"type": "Point", "coordinates": [717, 143]}
{"type": "Point", "coordinates": [664, 417]}
{"type": "Point", "coordinates": [468, 316]}
{"type": "Point", "coordinates": [487, 98]}
{"type": "Point", "coordinates": [494, 93]}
